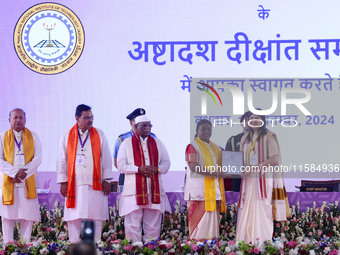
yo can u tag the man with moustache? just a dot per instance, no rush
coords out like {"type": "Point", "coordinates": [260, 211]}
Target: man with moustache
{"type": "Point", "coordinates": [84, 171]}
{"type": "Point", "coordinates": [143, 159]}
{"type": "Point", "coordinates": [20, 156]}
{"type": "Point", "coordinates": [131, 117]}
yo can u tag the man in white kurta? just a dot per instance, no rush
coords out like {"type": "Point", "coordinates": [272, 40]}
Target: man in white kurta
{"type": "Point", "coordinates": [24, 210]}
{"type": "Point", "coordinates": [150, 214]}
{"type": "Point", "coordinates": [89, 203]}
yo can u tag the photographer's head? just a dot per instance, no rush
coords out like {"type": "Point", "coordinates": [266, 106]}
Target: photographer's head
{"type": "Point", "coordinates": [83, 248]}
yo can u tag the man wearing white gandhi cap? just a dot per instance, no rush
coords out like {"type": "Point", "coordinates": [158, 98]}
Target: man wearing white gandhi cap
{"type": "Point", "coordinates": [143, 159]}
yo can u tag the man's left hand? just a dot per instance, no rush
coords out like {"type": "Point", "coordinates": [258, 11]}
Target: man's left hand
{"type": "Point", "coordinates": [153, 169]}
{"type": "Point", "coordinates": [16, 180]}
{"type": "Point", "coordinates": [106, 188]}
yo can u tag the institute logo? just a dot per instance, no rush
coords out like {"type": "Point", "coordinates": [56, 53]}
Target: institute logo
{"type": "Point", "coordinates": [49, 38]}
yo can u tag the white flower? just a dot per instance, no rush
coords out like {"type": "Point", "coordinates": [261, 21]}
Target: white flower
{"type": "Point", "coordinates": [105, 234]}
{"type": "Point", "coordinates": [262, 247]}
{"type": "Point", "coordinates": [326, 250]}
{"type": "Point", "coordinates": [311, 252]}
{"type": "Point", "coordinates": [44, 251]}
{"type": "Point", "coordinates": [137, 243]}
{"type": "Point", "coordinates": [227, 249]}
{"type": "Point", "coordinates": [37, 243]}
{"type": "Point", "coordinates": [116, 246]}
{"type": "Point", "coordinates": [293, 252]}
{"type": "Point", "coordinates": [61, 253]}
{"type": "Point", "coordinates": [278, 244]}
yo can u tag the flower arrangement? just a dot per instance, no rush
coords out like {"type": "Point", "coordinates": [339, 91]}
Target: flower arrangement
{"type": "Point", "coordinates": [315, 231]}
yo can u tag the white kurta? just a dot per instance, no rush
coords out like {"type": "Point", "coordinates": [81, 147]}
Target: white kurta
{"type": "Point", "coordinates": [125, 163]}
{"type": "Point", "coordinates": [23, 208]}
{"type": "Point", "coordinates": [90, 204]}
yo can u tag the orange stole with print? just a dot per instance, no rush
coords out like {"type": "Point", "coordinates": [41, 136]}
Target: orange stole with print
{"type": "Point", "coordinates": [141, 184]}
{"type": "Point", "coordinates": [71, 160]}
{"type": "Point", "coordinates": [9, 147]}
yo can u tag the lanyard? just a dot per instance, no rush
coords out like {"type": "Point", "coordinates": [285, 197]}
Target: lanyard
{"type": "Point", "coordinates": [81, 142]}
{"type": "Point", "coordinates": [18, 144]}
{"type": "Point", "coordinates": [253, 143]}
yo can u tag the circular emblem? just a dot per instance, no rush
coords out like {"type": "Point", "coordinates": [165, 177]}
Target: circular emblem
{"type": "Point", "coordinates": [49, 38]}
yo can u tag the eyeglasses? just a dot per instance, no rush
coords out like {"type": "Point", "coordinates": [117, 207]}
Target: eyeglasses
{"type": "Point", "coordinates": [88, 118]}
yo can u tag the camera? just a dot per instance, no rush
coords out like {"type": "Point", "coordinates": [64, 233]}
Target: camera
{"type": "Point", "coordinates": [87, 231]}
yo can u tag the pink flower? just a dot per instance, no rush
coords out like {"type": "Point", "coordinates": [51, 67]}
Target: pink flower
{"type": "Point", "coordinates": [62, 237]}
{"type": "Point", "coordinates": [128, 248]}
{"type": "Point", "coordinates": [49, 229]}
{"type": "Point", "coordinates": [310, 233]}
{"type": "Point", "coordinates": [178, 226]}
{"type": "Point", "coordinates": [110, 227]}
{"type": "Point", "coordinates": [2, 252]}
{"type": "Point", "coordinates": [150, 246]}
{"type": "Point", "coordinates": [256, 250]}
{"type": "Point", "coordinates": [231, 242]}
{"type": "Point", "coordinates": [169, 245]}
{"type": "Point", "coordinates": [116, 252]}
{"type": "Point", "coordinates": [116, 241]}
{"type": "Point", "coordinates": [278, 225]}
{"type": "Point", "coordinates": [120, 232]}
{"type": "Point", "coordinates": [286, 228]}
{"type": "Point", "coordinates": [250, 250]}
{"type": "Point", "coordinates": [194, 247]}
{"type": "Point", "coordinates": [319, 232]}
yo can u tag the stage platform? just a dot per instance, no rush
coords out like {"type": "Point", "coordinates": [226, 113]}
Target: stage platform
{"type": "Point", "coordinates": [306, 199]}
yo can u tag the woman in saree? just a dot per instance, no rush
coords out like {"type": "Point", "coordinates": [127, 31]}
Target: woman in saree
{"type": "Point", "coordinates": [263, 196]}
{"type": "Point", "coordinates": [204, 191]}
